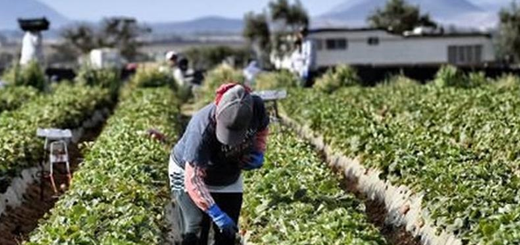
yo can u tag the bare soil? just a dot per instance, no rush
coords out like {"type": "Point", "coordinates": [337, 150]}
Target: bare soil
{"type": "Point", "coordinates": [376, 213]}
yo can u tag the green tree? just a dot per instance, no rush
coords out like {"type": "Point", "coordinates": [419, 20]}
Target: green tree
{"type": "Point", "coordinates": [120, 33]}
{"type": "Point", "coordinates": [258, 34]}
{"type": "Point", "coordinates": [268, 31]}
{"type": "Point", "coordinates": [123, 34]}
{"type": "Point", "coordinates": [509, 32]}
{"type": "Point", "coordinates": [294, 16]}
{"type": "Point", "coordinates": [399, 16]}
{"type": "Point", "coordinates": [207, 58]}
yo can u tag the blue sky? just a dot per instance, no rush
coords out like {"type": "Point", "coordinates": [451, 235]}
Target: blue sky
{"type": "Point", "coordinates": [174, 10]}
{"type": "Point", "coordinates": [170, 10]}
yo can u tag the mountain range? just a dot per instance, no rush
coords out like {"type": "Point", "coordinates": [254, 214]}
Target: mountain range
{"type": "Point", "coordinates": [212, 24]}
{"type": "Point", "coordinates": [11, 10]}
{"type": "Point", "coordinates": [448, 12]}
{"type": "Point", "coordinates": [351, 13]}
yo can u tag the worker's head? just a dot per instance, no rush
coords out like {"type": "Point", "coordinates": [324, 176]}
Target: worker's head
{"type": "Point", "coordinates": [171, 57]}
{"type": "Point", "coordinates": [183, 64]}
{"type": "Point", "coordinates": [298, 44]}
{"type": "Point", "coordinates": [303, 32]}
{"type": "Point", "coordinates": [233, 115]}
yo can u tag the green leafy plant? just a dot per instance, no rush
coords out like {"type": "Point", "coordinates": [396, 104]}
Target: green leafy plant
{"type": "Point", "coordinates": [508, 82]}
{"type": "Point", "coordinates": [450, 76]}
{"type": "Point", "coordinates": [399, 81]}
{"type": "Point", "coordinates": [450, 143]}
{"type": "Point", "coordinates": [12, 98]}
{"type": "Point", "coordinates": [337, 77]}
{"type": "Point", "coordinates": [105, 78]}
{"type": "Point", "coordinates": [296, 199]}
{"type": "Point", "coordinates": [118, 195]}
{"type": "Point", "coordinates": [67, 107]}
{"type": "Point", "coordinates": [276, 80]}
{"type": "Point", "coordinates": [28, 75]}
{"type": "Point", "coordinates": [152, 78]}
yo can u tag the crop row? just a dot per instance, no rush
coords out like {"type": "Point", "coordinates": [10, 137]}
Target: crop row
{"type": "Point", "coordinates": [296, 199]}
{"type": "Point", "coordinates": [67, 107]}
{"type": "Point", "coordinates": [457, 147]}
{"type": "Point", "coordinates": [13, 97]}
{"type": "Point", "coordinates": [119, 193]}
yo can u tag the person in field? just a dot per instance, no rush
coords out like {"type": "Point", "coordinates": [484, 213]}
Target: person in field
{"type": "Point", "coordinates": [172, 58]}
{"type": "Point", "coordinates": [303, 59]}
{"type": "Point", "coordinates": [251, 72]}
{"type": "Point", "coordinates": [183, 74]}
{"type": "Point", "coordinates": [221, 140]}
{"type": "Point", "coordinates": [32, 48]}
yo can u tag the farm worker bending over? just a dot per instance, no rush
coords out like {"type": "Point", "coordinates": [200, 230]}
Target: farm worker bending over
{"type": "Point", "coordinates": [222, 139]}
{"type": "Point", "coordinates": [303, 58]}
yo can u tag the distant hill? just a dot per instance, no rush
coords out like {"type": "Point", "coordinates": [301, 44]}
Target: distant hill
{"type": "Point", "coordinates": [11, 10]}
{"type": "Point", "coordinates": [449, 12]}
{"type": "Point", "coordinates": [202, 25]}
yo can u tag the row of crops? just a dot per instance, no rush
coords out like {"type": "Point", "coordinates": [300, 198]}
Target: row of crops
{"type": "Point", "coordinates": [296, 199]}
{"type": "Point", "coordinates": [68, 106]}
{"type": "Point", "coordinates": [118, 195]}
{"type": "Point", "coordinates": [12, 98]}
{"type": "Point", "coordinates": [459, 147]}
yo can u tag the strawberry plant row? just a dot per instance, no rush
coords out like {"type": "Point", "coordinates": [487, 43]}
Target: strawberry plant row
{"type": "Point", "coordinates": [67, 107]}
{"type": "Point", "coordinates": [13, 97]}
{"type": "Point", "coordinates": [296, 199]}
{"type": "Point", "coordinates": [457, 148]}
{"type": "Point", "coordinates": [119, 193]}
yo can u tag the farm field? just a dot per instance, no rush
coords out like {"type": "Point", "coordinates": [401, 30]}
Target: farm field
{"type": "Point", "coordinates": [119, 193]}
{"type": "Point", "coordinates": [13, 97]}
{"type": "Point", "coordinates": [388, 122]}
{"type": "Point", "coordinates": [66, 107]}
{"type": "Point", "coordinates": [456, 146]}
{"type": "Point", "coordinates": [308, 206]}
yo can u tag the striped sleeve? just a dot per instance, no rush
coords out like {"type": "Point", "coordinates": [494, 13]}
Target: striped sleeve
{"type": "Point", "coordinates": [197, 189]}
{"type": "Point", "coordinates": [261, 140]}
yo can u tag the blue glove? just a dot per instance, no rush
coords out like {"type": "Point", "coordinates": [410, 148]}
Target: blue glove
{"type": "Point", "coordinates": [226, 225]}
{"type": "Point", "coordinates": [256, 161]}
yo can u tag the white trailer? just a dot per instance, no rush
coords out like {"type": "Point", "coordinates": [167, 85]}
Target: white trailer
{"type": "Point", "coordinates": [368, 46]}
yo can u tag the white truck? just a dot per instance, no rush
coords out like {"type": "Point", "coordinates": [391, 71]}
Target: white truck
{"type": "Point", "coordinates": [106, 58]}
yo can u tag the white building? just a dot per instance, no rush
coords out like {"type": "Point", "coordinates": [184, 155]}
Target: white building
{"type": "Point", "coordinates": [368, 46]}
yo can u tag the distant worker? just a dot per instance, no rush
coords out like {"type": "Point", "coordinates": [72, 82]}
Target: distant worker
{"type": "Point", "coordinates": [183, 74]}
{"type": "Point", "coordinates": [303, 58]}
{"type": "Point", "coordinates": [298, 60]}
{"type": "Point", "coordinates": [170, 62]}
{"type": "Point", "coordinates": [251, 72]}
{"type": "Point", "coordinates": [32, 49]}
{"type": "Point", "coordinates": [171, 58]}
{"type": "Point", "coordinates": [221, 140]}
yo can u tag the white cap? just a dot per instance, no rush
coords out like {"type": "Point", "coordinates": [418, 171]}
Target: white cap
{"type": "Point", "coordinates": [170, 55]}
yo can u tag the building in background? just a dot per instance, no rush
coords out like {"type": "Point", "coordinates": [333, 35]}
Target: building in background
{"type": "Point", "coordinates": [377, 47]}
